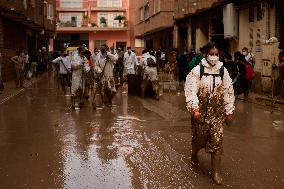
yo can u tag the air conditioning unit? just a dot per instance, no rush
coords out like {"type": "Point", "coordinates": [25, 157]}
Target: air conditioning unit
{"type": "Point", "coordinates": [231, 21]}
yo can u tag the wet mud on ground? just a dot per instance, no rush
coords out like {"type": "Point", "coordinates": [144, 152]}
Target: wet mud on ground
{"type": "Point", "coordinates": [136, 143]}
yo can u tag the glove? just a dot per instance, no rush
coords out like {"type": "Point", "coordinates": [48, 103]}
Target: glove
{"type": "Point", "coordinates": [229, 119]}
{"type": "Point", "coordinates": [196, 115]}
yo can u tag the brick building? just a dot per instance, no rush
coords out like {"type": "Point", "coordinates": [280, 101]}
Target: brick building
{"type": "Point", "coordinates": [27, 24]}
{"type": "Point", "coordinates": [233, 25]}
{"type": "Point", "coordinates": [93, 23]}
{"type": "Point", "coordinates": [154, 23]}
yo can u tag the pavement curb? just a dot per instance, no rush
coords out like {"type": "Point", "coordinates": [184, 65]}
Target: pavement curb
{"type": "Point", "coordinates": [10, 92]}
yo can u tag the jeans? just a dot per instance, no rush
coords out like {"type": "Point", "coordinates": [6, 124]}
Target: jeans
{"type": "Point", "coordinates": [19, 77]}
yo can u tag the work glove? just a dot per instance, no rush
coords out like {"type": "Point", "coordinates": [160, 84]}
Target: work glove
{"type": "Point", "coordinates": [196, 115]}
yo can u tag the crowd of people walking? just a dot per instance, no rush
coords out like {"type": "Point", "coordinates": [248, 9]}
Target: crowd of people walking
{"type": "Point", "coordinates": [104, 71]}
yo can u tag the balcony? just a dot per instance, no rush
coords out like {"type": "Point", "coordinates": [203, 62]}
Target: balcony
{"type": "Point", "coordinates": [75, 27]}
{"type": "Point", "coordinates": [109, 9]}
{"type": "Point", "coordinates": [156, 22]}
{"type": "Point", "coordinates": [60, 9]}
{"type": "Point", "coordinates": [185, 8]}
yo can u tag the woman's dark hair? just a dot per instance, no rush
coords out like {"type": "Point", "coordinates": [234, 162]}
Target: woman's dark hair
{"type": "Point", "coordinates": [152, 52]}
{"type": "Point", "coordinates": [239, 56]}
{"type": "Point", "coordinates": [209, 46]}
{"type": "Point", "coordinates": [144, 51]}
{"type": "Point", "coordinates": [245, 49]}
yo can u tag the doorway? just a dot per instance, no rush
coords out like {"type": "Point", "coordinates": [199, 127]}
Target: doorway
{"type": "Point", "coordinates": [122, 45]}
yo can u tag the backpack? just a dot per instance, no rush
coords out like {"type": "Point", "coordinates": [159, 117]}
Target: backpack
{"type": "Point", "coordinates": [249, 71]}
{"type": "Point", "coordinates": [281, 55]}
{"type": "Point", "coordinates": [221, 74]}
{"type": "Point", "coordinates": [151, 62]}
{"type": "Point", "coordinates": [194, 62]}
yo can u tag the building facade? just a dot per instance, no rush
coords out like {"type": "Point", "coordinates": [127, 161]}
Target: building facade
{"type": "Point", "coordinates": [93, 23]}
{"type": "Point", "coordinates": [233, 25]}
{"type": "Point", "coordinates": [154, 23]}
{"type": "Point", "coordinates": [27, 24]}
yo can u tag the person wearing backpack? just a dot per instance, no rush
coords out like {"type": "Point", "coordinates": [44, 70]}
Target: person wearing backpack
{"type": "Point", "coordinates": [196, 59]}
{"type": "Point", "coordinates": [210, 100]}
{"type": "Point", "coordinates": [246, 73]}
{"type": "Point", "coordinates": [248, 56]}
{"type": "Point", "coordinates": [150, 73]}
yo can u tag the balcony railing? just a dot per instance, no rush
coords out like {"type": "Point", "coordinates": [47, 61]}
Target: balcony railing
{"type": "Point", "coordinates": [188, 7]}
{"type": "Point", "coordinates": [75, 26]}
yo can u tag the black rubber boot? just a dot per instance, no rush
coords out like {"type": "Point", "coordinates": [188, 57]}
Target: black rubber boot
{"type": "Point", "coordinates": [216, 167]}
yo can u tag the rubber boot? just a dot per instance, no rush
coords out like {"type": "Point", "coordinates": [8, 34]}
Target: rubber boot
{"type": "Point", "coordinates": [156, 90]}
{"type": "Point", "coordinates": [143, 89]}
{"type": "Point", "coordinates": [216, 167]}
{"type": "Point", "coordinates": [194, 154]}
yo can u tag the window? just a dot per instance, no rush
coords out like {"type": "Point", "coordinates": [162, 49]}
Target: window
{"type": "Point", "coordinates": [110, 18]}
{"type": "Point", "coordinates": [71, 19]}
{"type": "Point", "coordinates": [45, 10]}
{"type": "Point", "coordinates": [157, 6]}
{"type": "Point", "coordinates": [141, 10]}
{"type": "Point", "coordinates": [251, 14]}
{"type": "Point", "coordinates": [260, 12]}
{"type": "Point", "coordinates": [50, 12]}
{"type": "Point", "coordinates": [146, 11]}
{"type": "Point", "coordinates": [71, 4]}
{"type": "Point", "coordinates": [74, 21]}
{"type": "Point", "coordinates": [139, 43]}
{"type": "Point", "coordinates": [109, 3]}
{"type": "Point", "coordinates": [102, 3]}
{"type": "Point", "coordinates": [99, 43]}
{"type": "Point", "coordinates": [25, 4]}
{"type": "Point", "coordinates": [116, 3]}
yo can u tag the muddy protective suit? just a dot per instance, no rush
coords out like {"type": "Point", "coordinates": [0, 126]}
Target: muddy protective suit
{"type": "Point", "coordinates": [106, 84]}
{"type": "Point", "coordinates": [150, 74]}
{"type": "Point", "coordinates": [213, 95]}
{"type": "Point", "coordinates": [79, 66]}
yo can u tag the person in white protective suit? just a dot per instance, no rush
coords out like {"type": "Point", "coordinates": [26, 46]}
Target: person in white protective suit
{"type": "Point", "coordinates": [210, 99]}
{"type": "Point", "coordinates": [130, 67]}
{"type": "Point", "coordinates": [150, 74]}
{"type": "Point", "coordinates": [79, 66]}
{"type": "Point", "coordinates": [104, 67]}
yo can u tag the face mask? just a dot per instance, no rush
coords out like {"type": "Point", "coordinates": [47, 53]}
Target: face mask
{"type": "Point", "coordinates": [213, 60]}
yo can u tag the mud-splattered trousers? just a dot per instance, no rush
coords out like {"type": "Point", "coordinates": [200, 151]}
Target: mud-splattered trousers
{"type": "Point", "coordinates": [76, 81]}
{"type": "Point", "coordinates": [214, 98]}
{"type": "Point", "coordinates": [107, 82]}
{"type": "Point", "coordinates": [150, 75]}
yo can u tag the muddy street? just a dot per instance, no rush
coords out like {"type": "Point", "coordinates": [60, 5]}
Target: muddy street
{"type": "Point", "coordinates": [136, 143]}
